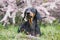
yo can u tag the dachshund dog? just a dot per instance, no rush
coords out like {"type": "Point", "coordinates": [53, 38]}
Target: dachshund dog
{"type": "Point", "coordinates": [30, 26]}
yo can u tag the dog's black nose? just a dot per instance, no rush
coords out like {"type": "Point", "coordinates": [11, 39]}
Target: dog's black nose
{"type": "Point", "coordinates": [28, 13]}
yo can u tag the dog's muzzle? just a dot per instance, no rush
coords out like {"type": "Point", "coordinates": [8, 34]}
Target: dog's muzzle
{"type": "Point", "coordinates": [28, 16]}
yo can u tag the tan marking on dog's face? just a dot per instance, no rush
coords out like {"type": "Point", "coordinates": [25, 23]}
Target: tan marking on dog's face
{"type": "Point", "coordinates": [31, 19]}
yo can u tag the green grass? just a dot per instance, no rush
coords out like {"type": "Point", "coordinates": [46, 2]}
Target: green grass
{"type": "Point", "coordinates": [49, 32]}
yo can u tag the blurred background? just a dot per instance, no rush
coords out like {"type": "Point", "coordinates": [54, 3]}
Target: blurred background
{"type": "Point", "coordinates": [12, 12]}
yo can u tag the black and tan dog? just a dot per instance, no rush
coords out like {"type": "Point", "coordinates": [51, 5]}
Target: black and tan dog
{"type": "Point", "coordinates": [31, 26]}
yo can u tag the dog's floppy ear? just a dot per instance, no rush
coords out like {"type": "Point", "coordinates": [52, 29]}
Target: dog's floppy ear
{"type": "Point", "coordinates": [24, 14]}
{"type": "Point", "coordinates": [38, 15]}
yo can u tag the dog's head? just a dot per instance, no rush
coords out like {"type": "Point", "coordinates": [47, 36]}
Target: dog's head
{"type": "Point", "coordinates": [31, 14]}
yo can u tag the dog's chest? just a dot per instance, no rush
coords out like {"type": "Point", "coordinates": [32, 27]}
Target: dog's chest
{"type": "Point", "coordinates": [33, 24]}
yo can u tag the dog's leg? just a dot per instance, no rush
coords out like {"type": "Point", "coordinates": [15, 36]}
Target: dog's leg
{"type": "Point", "coordinates": [33, 30]}
{"type": "Point", "coordinates": [20, 29]}
{"type": "Point", "coordinates": [38, 32]}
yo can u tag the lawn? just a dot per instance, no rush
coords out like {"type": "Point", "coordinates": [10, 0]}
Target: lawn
{"type": "Point", "coordinates": [49, 32]}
